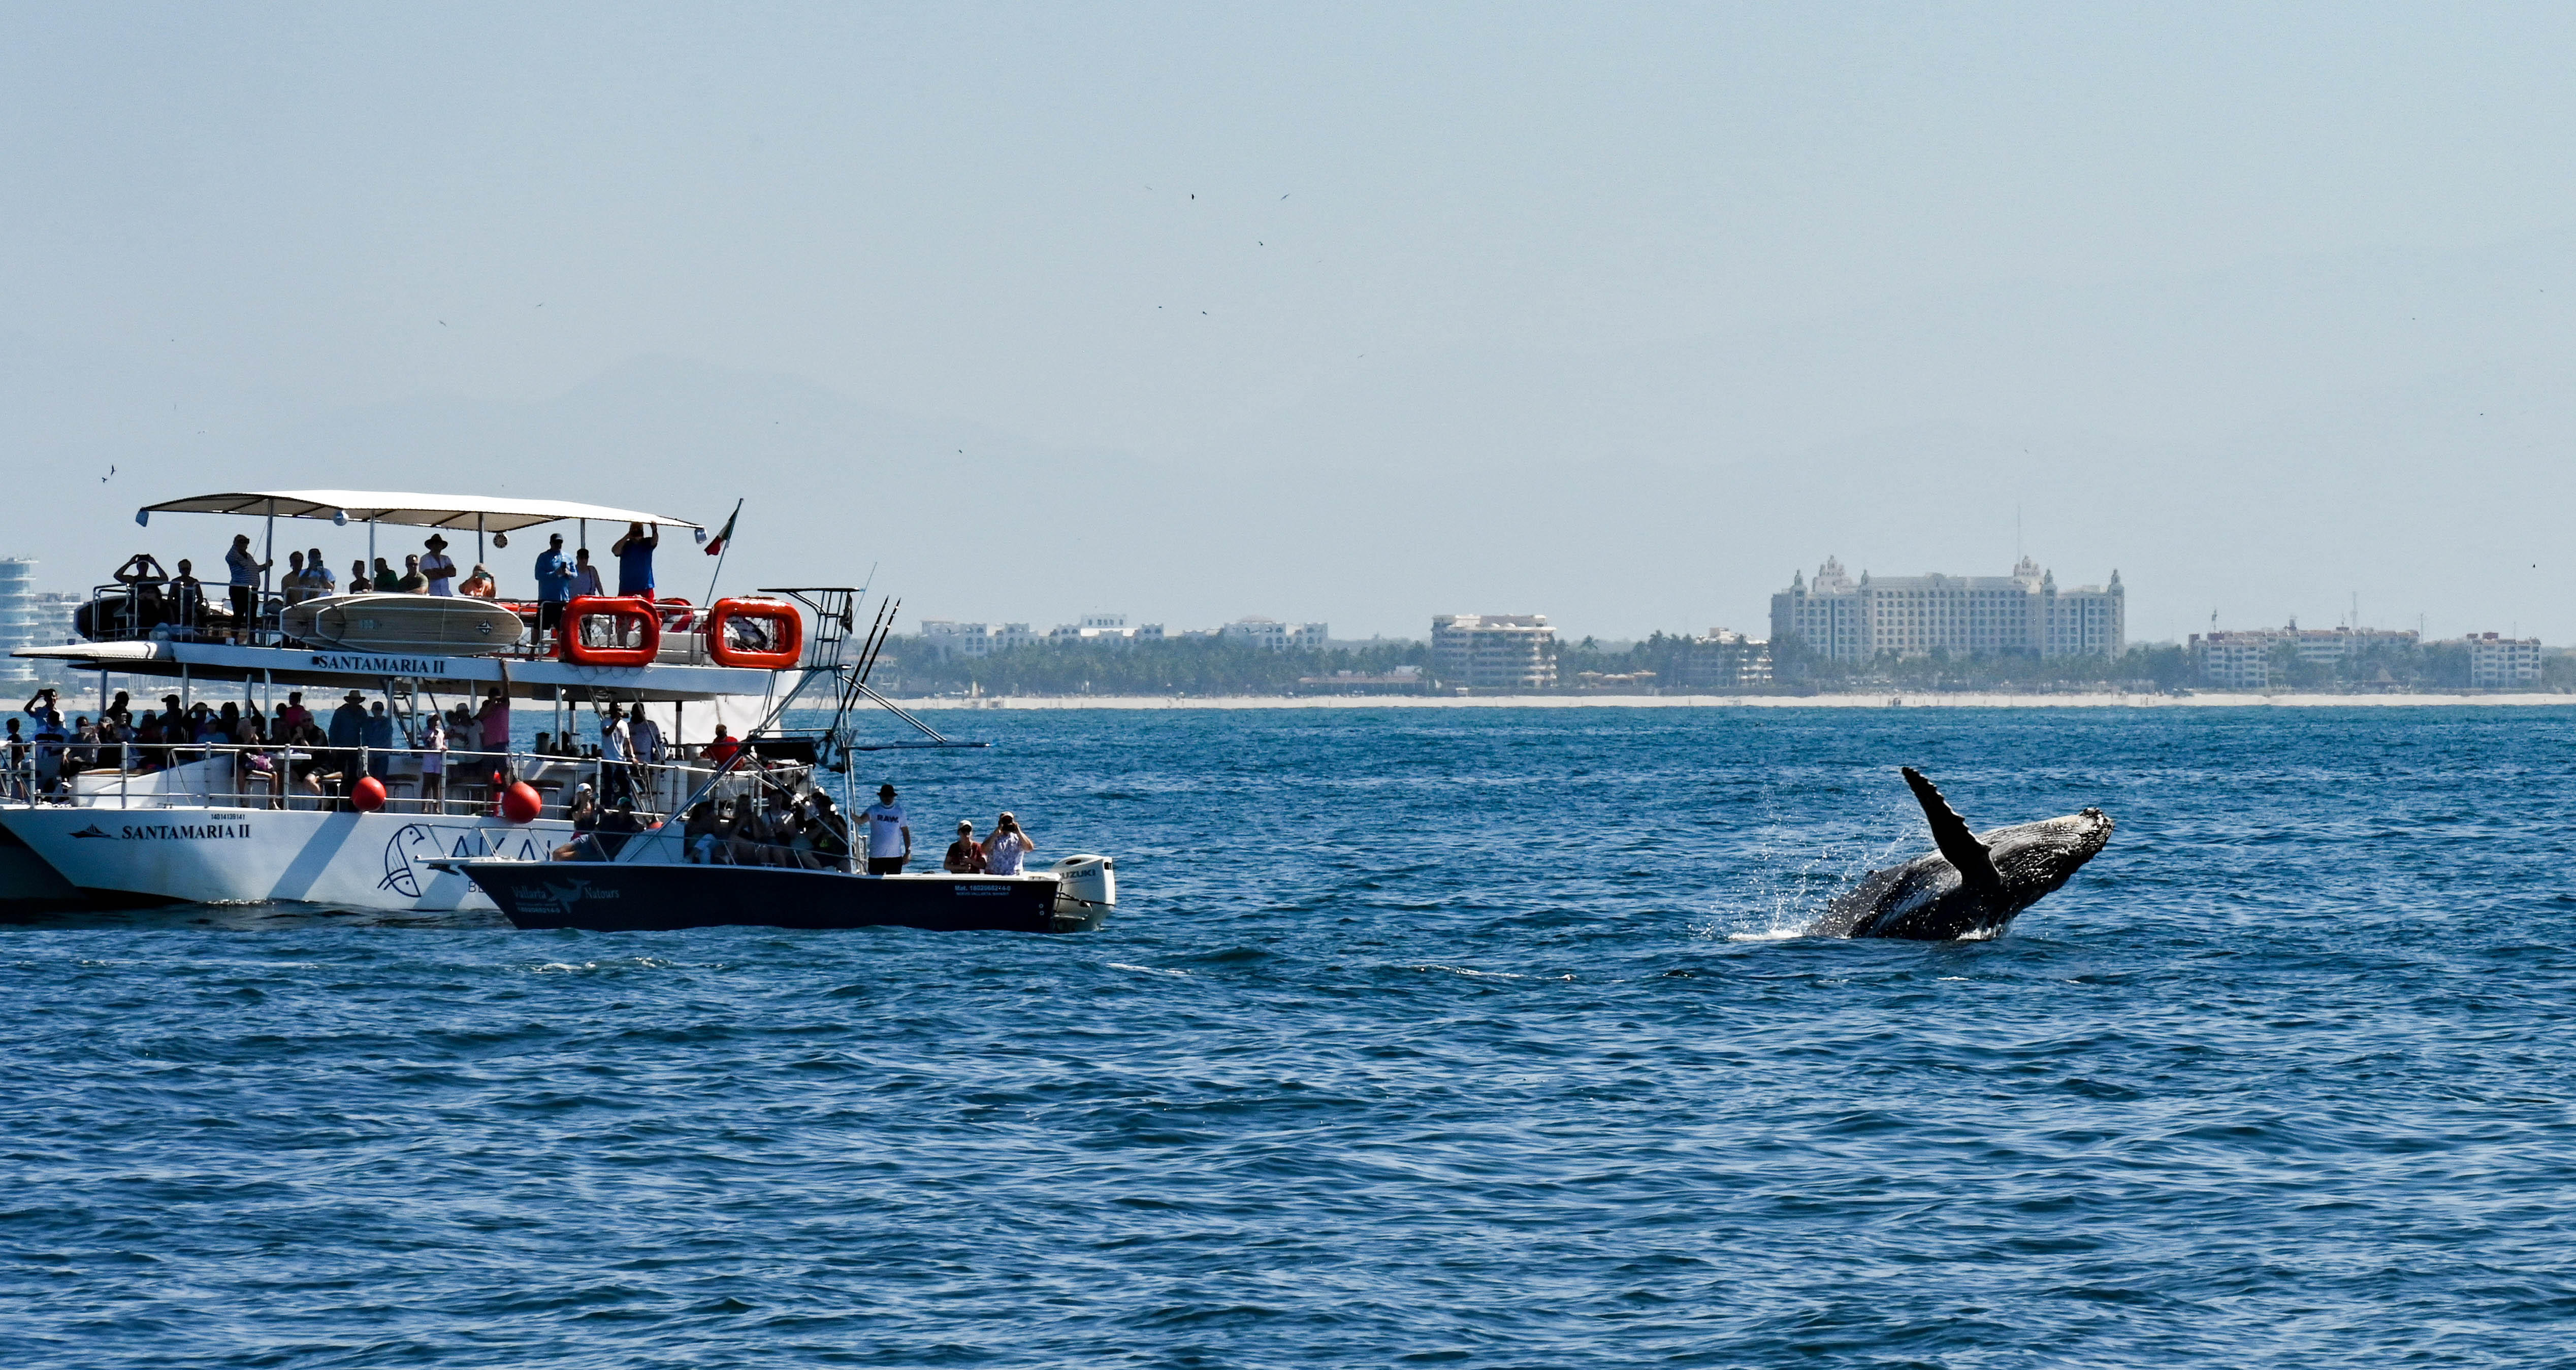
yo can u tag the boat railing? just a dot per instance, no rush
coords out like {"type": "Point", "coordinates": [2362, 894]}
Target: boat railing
{"type": "Point", "coordinates": [448, 782]}
{"type": "Point", "coordinates": [121, 612]}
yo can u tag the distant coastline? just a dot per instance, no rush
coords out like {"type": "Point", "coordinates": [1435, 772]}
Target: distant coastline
{"type": "Point", "coordinates": [1892, 699]}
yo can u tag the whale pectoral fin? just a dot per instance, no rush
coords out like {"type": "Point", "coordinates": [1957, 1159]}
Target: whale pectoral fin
{"type": "Point", "coordinates": [1959, 846]}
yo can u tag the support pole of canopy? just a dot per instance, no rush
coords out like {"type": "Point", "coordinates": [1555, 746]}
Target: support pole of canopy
{"type": "Point", "coordinates": [268, 555]}
{"type": "Point", "coordinates": [478, 538]}
{"type": "Point", "coordinates": [371, 555]}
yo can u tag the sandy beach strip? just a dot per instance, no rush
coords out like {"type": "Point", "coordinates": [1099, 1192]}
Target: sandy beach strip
{"type": "Point", "coordinates": [2103, 700]}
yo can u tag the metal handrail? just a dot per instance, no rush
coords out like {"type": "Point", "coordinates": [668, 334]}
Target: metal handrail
{"type": "Point", "coordinates": [647, 782]}
{"type": "Point", "coordinates": [265, 628]}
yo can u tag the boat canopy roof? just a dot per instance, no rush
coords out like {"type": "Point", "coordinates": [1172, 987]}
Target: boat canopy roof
{"type": "Point", "coordinates": [470, 513]}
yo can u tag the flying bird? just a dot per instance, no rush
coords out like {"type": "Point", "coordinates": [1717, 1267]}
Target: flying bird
{"type": "Point", "coordinates": [111, 471]}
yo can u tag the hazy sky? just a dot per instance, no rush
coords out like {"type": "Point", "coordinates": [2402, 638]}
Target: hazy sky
{"type": "Point", "coordinates": [1359, 314]}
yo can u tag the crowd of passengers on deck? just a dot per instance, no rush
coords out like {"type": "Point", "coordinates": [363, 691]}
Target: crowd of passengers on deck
{"type": "Point", "coordinates": [178, 602]}
{"type": "Point", "coordinates": [293, 757]}
{"type": "Point", "coordinates": [463, 762]}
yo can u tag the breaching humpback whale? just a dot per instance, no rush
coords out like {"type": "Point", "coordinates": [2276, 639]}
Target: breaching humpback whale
{"type": "Point", "coordinates": [1972, 884]}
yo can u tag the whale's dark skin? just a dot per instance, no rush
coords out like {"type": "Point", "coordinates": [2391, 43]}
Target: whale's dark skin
{"type": "Point", "coordinates": [1974, 884]}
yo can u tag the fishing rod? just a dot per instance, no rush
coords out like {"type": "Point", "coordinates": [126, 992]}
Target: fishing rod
{"type": "Point", "coordinates": [856, 667]}
{"type": "Point", "coordinates": [870, 667]}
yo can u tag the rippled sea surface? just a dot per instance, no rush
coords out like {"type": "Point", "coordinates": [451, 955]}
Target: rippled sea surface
{"type": "Point", "coordinates": [1475, 1037]}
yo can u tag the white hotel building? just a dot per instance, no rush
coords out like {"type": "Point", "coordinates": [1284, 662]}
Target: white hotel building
{"type": "Point", "coordinates": [2501, 663]}
{"type": "Point", "coordinates": [2024, 613]}
{"type": "Point", "coordinates": [1494, 651]}
{"type": "Point", "coordinates": [2242, 658]}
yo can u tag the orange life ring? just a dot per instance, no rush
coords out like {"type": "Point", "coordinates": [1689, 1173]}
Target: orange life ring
{"type": "Point", "coordinates": [625, 611]}
{"type": "Point", "coordinates": [787, 639]}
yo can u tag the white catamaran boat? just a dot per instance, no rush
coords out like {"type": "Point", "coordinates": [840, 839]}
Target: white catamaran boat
{"type": "Point", "coordinates": [390, 825]}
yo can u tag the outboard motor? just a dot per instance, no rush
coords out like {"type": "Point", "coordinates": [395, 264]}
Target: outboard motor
{"type": "Point", "coordinates": [1086, 888]}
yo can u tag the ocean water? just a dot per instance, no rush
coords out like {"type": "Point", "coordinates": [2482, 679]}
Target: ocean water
{"type": "Point", "coordinates": [1429, 1037]}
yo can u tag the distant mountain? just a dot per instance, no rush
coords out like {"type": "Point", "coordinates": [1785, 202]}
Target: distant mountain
{"type": "Point", "coordinates": [2266, 441]}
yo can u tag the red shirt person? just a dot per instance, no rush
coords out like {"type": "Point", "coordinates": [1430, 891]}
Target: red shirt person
{"type": "Point", "coordinates": [722, 749]}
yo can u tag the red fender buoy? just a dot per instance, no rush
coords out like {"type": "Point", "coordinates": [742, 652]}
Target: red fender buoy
{"type": "Point", "coordinates": [519, 803]}
{"type": "Point", "coordinates": [786, 634]}
{"type": "Point", "coordinates": [367, 795]}
{"type": "Point", "coordinates": [625, 611]}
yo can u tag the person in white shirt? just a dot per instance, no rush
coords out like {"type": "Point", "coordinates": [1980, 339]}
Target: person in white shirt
{"type": "Point", "coordinates": [614, 756]}
{"type": "Point", "coordinates": [433, 761]}
{"type": "Point", "coordinates": [49, 742]}
{"type": "Point", "coordinates": [1003, 850]}
{"type": "Point", "coordinates": [889, 834]}
{"type": "Point", "coordinates": [439, 566]}
{"type": "Point", "coordinates": [585, 577]}
{"type": "Point", "coordinates": [246, 568]}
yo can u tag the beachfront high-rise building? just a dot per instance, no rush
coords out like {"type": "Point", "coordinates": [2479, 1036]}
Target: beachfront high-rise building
{"type": "Point", "coordinates": [2250, 658]}
{"type": "Point", "coordinates": [1272, 635]}
{"type": "Point", "coordinates": [19, 621]}
{"type": "Point", "coordinates": [948, 637]}
{"type": "Point", "coordinates": [1494, 651]}
{"type": "Point", "coordinates": [2500, 663]}
{"type": "Point", "coordinates": [2025, 613]}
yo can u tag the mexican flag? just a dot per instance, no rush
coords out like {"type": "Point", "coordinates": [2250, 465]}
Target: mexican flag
{"type": "Point", "coordinates": [716, 544]}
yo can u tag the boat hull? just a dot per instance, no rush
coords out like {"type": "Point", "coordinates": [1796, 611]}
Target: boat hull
{"type": "Point", "coordinates": [216, 855]}
{"type": "Point", "coordinates": [26, 881]}
{"type": "Point", "coordinates": [638, 897]}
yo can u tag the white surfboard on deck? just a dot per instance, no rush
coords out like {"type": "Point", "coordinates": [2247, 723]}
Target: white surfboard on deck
{"type": "Point", "coordinates": [405, 623]}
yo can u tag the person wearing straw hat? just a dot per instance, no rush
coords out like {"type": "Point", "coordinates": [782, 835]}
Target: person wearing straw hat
{"type": "Point", "coordinates": [438, 566]}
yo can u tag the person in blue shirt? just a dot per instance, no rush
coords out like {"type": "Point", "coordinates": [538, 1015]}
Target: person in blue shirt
{"type": "Point", "coordinates": [554, 586]}
{"type": "Point", "coordinates": [634, 553]}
